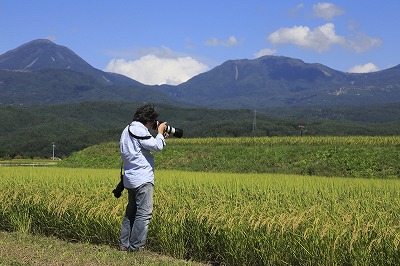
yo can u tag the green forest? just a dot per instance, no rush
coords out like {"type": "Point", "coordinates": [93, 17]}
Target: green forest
{"type": "Point", "coordinates": [30, 131]}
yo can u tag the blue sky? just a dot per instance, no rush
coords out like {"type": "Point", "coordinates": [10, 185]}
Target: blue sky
{"type": "Point", "coordinates": [158, 42]}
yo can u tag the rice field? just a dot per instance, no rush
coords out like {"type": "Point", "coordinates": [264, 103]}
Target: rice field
{"type": "Point", "coordinates": [227, 218]}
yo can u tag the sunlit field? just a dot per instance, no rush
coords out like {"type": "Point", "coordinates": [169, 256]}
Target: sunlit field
{"type": "Point", "coordinates": [355, 156]}
{"type": "Point", "coordinates": [234, 219]}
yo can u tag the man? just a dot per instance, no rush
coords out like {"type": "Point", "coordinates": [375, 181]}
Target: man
{"type": "Point", "coordinates": [136, 145]}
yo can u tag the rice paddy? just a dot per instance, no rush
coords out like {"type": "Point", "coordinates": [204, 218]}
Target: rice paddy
{"type": "Point", "coordinates": [227, 218]}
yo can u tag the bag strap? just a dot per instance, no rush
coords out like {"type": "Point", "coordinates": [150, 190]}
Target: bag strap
{"type": "Point", "coordinates": [137, 137]}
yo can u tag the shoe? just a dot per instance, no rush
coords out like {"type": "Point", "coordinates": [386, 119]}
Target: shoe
{"type": "Point", "coordinates": [123, 249]}
{"type": "Point", "coordinates": [135, 249]}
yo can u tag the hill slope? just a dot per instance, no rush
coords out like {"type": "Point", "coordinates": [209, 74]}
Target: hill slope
{"type": "Point", "coordinates": [43, 54]}
{"type": "Point", "coordinates": [272, 81]}
{"type": "Point", "coordinates": [66, 86]}
{"type": "Point", "coordinates": [42, 72]}
{"type": "Point", "coordinates": [324, 156]}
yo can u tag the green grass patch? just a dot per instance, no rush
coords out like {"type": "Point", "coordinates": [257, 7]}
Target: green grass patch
{"type": "Point", "coordinates": [367, 157]}
{"type": "Point", "coordinates": [17, 248]}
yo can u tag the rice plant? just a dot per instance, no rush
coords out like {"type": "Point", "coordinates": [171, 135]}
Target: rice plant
{"type": "Point", "coordinates": [233, 219]}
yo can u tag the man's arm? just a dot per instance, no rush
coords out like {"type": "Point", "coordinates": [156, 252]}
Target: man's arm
{"type": "Point", "coordinates": [154, 144]}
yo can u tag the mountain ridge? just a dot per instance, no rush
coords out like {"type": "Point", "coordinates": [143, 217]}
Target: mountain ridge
{"type": "Point", "coordinates": [43, 54]}
{"type": "Point", "coordinates": [42, 72]}
{"type": "Point", "coordinates": [260, 83]}
{"type": "Point", "coordinates": [284, 81]}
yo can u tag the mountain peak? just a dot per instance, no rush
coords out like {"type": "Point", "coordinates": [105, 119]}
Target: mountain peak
{"type": "Point", "coordinates": [42, 54]}
{"type": "Point", "coordinates": [38, 41]}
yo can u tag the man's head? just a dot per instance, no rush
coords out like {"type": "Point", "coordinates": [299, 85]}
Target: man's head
{"type": "Point", "coordinates": [146, 113]}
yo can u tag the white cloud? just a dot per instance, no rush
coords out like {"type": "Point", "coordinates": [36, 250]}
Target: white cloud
{"type": "Point", "coordinates": [320, 39]}
{"type": "Point", "coordinates": [366, 68]}
{"type": "Point", "coordinates": [51, 38]}
{"type": "Point", "coordinates": [231, 41]}
{"type": "Point", "coordinates": [327, 11]}
{"type": "Point", "coordinates": [152, 69]}
{"type": "Point", "coordinates": [264, 52]}
{"type": "Point", "coordinates": [293, 11]}
{"type": "Point", "coordinates": [361, 42]}
{"type": "Point", "coordinates": [161, 52]}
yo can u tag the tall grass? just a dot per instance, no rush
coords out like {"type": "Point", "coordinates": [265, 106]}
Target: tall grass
{"type": "Point", "coordinates": [236, 219]}
{"type": "Point", "coordinates": [68, 203]}
{"type": "Point", "coordinates": [282, 219]}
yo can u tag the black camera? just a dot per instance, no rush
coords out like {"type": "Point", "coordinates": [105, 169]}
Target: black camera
{"type": "Point", "coordinates": [119, 188]}
{"type": "Point", "coordinates": [176, 132]}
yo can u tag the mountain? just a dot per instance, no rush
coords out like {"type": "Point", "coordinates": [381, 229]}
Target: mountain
{"type": "Point", "coordinates": [41, 72]}
{"type": "Point", "coordinates": [43, 54]}
{"type": "Point", "coordinates": [272, 81]}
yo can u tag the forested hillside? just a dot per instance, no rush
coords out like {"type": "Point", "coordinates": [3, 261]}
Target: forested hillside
{"type": "Point", "coordinates": [30, 131]}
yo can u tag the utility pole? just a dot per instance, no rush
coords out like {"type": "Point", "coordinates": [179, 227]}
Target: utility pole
{"type": "Point", "coordinates": [301, 128]}
{"type": "Point", "coordinates": [53, 150]}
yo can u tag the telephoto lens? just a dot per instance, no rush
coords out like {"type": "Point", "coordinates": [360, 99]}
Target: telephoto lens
{"type": "Point", "coordinates": [176, 132]}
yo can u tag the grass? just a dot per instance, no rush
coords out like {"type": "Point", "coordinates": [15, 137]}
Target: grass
{"type": "Point", "coordinates": [18, 248]}
{"type": "Point", "coordinates": [365, 157]}
{"type": "Point", "coordinates": [29, 162]}
{"type": "Point", "coordinates": [236, 219]}
{"type": "Point", "coordinates": [210, 212]}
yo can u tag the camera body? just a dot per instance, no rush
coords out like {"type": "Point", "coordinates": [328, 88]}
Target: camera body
{"type": "Point", "coordinates": [119, 188]}
{"type": "Point", "coordinates": [176, 132]}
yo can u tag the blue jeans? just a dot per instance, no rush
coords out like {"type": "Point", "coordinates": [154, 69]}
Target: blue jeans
{"type": "Point", "coordinates": [138, 214]}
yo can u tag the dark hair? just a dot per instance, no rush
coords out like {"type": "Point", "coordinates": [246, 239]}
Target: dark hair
{"type": "Point", "coordinates": [145, 113]}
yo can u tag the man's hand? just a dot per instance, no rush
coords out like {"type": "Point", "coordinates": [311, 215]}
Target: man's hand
{"type": "Point", "coordinates": [161, 129]}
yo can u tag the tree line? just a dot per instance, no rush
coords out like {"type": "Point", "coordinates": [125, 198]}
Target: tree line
{"type": "Point", "coordinates": [29, 131]}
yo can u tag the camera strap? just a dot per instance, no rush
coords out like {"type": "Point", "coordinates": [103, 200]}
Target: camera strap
{"type": "Point", "coordinates": [137, 137]}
